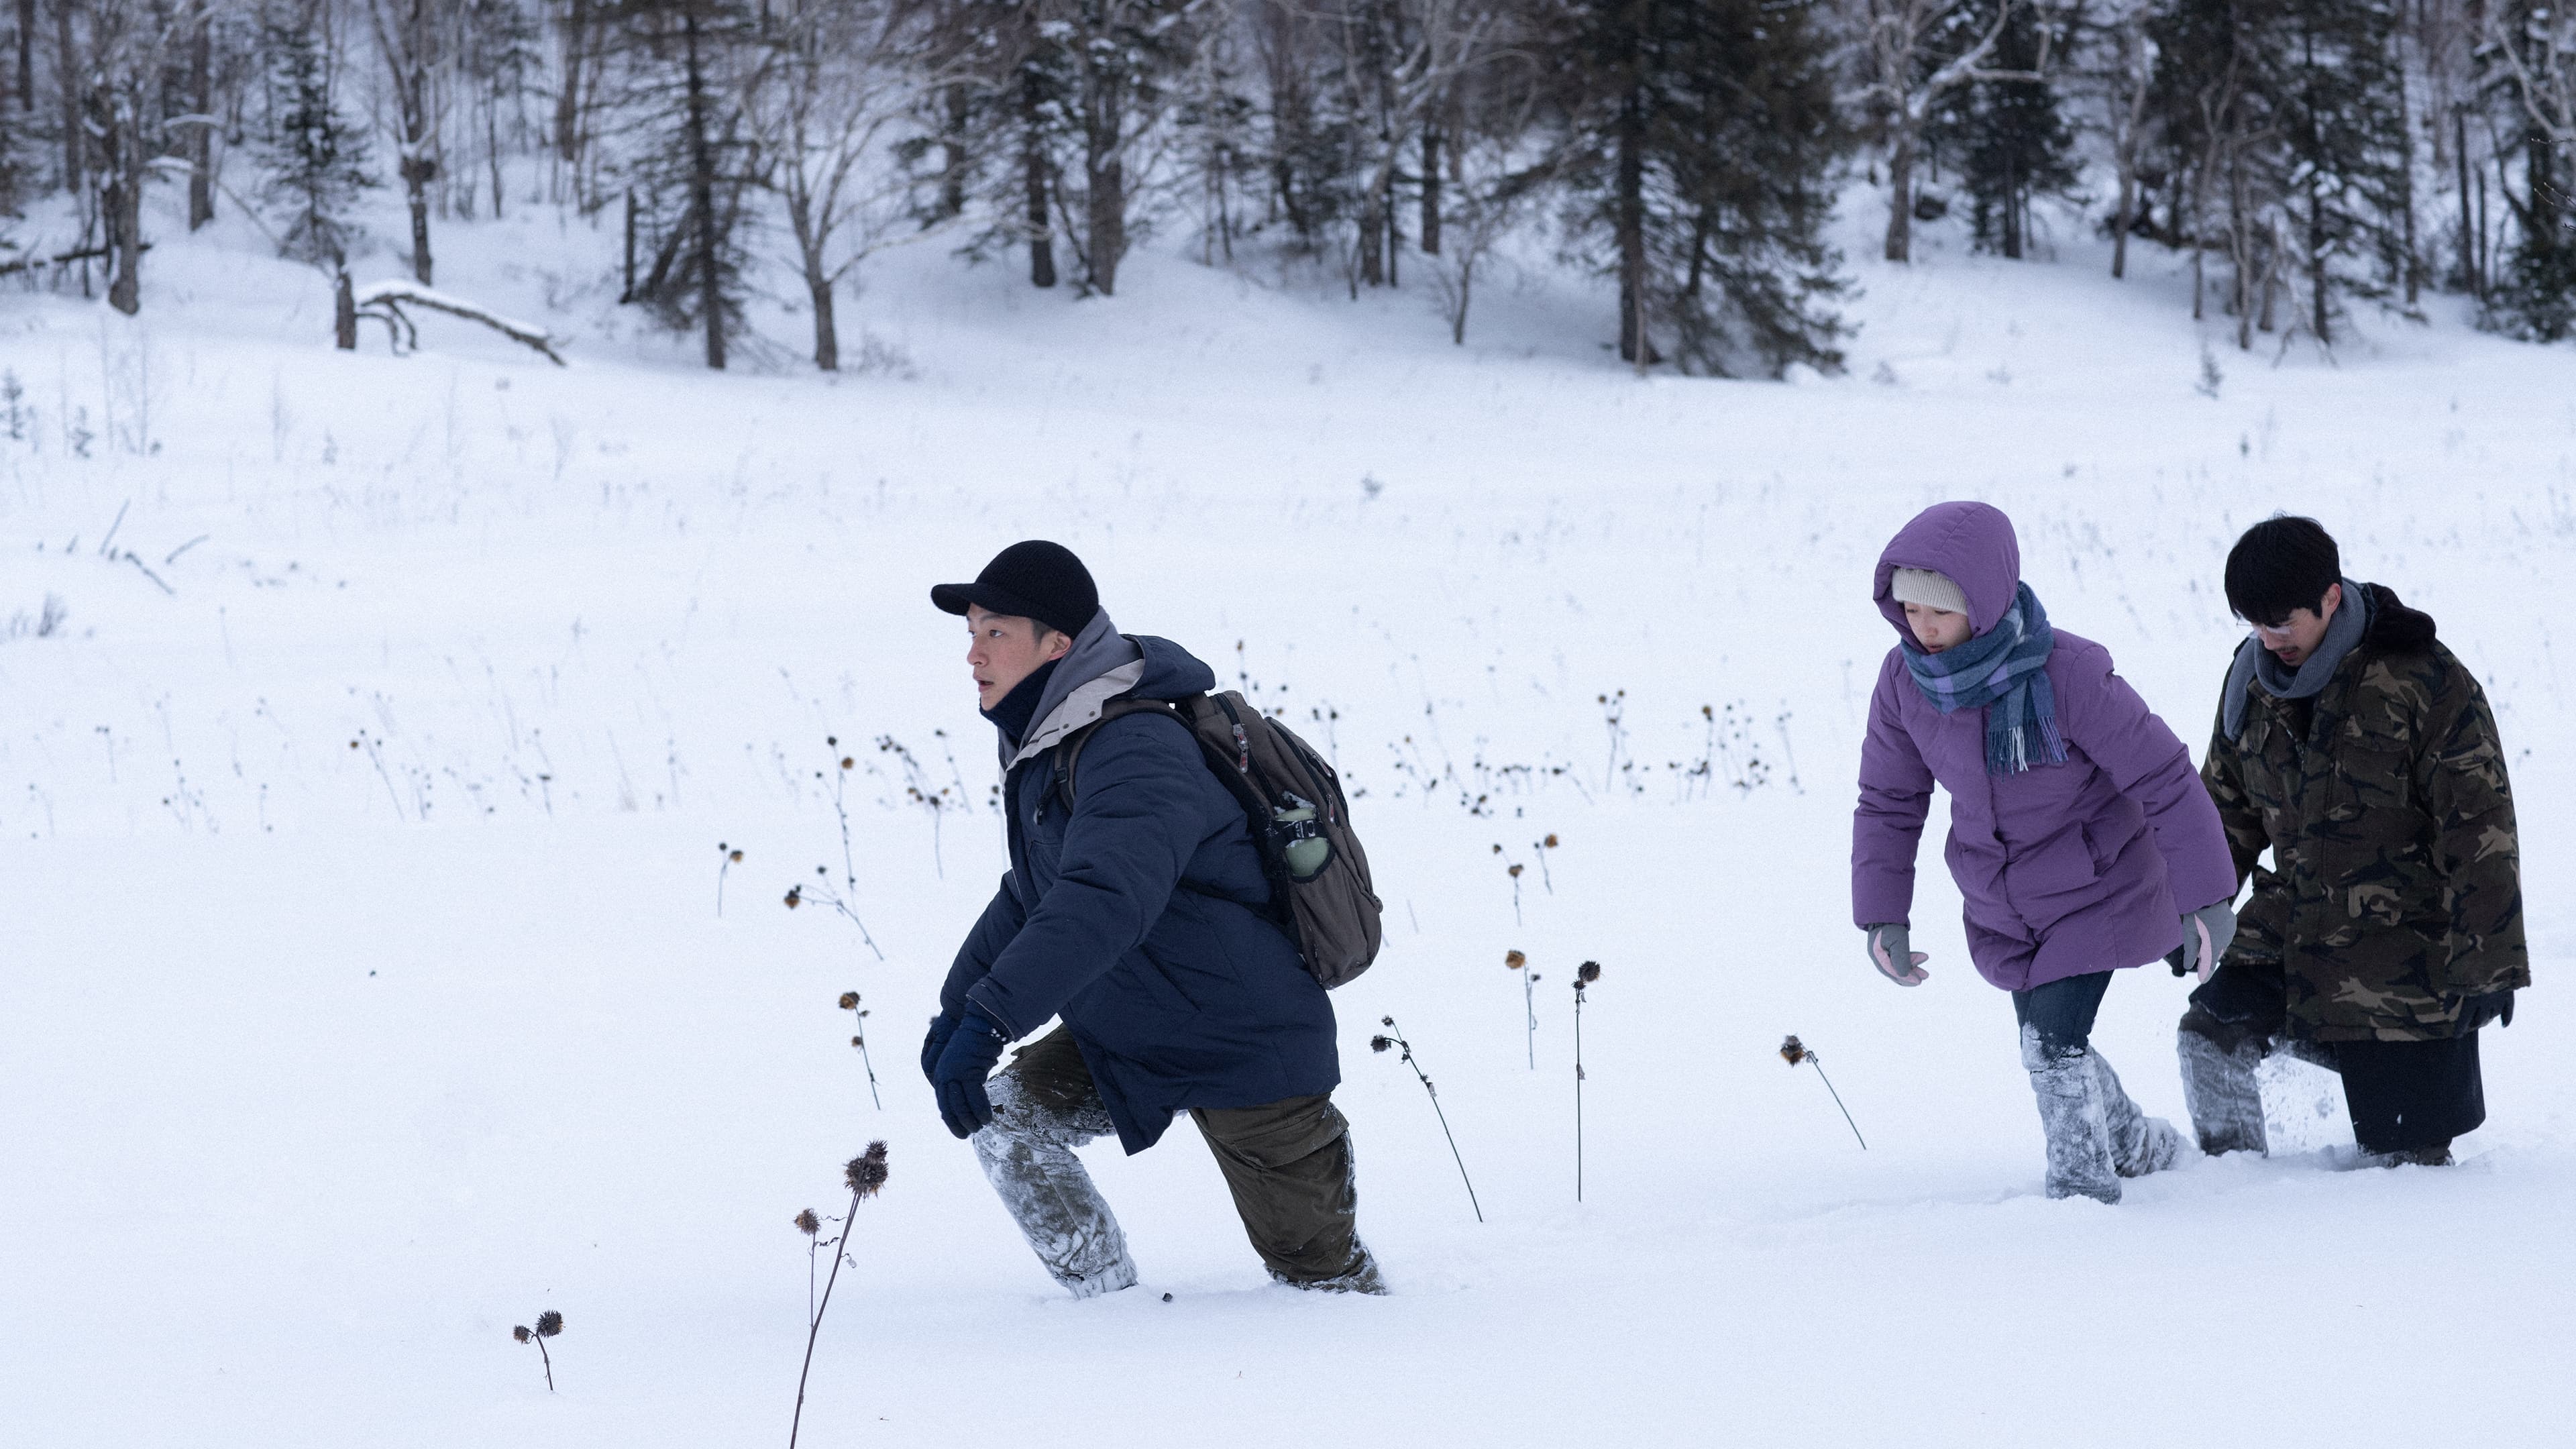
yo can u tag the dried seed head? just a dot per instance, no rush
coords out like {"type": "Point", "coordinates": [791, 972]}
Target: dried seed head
{"type": "Point", "coordinates": [1550, 842]}
{"type": "Point", "coordinates": [1386, 1021]}
{"type": "Point", "coordinates": [808, 1224]}
{"type": "Point", "coordinates": [866, 1172]}
{"type": "Point", "coordinates": [735, 857]}
{"type": "Point", "coordinates": [846, 762]}
{"type": "Point", "coordinates": [1498, 847]}
{"type": "Point", "coordinates": [1588, 972]}
{"type": "Point", "coordinates": [1379, 1044]}
{"type": "Point", "coordinates": [795, 894]}
{"type": "Point", "coordinates": [832, 741]}
{"type": "Point", "coordinates": [1514, 960]}
{"type": "Point", "coordinates": [1792, 1050]}
{"type": "Point", "coordinates": [1516, 870]}
{"type": "Point", "coordinates": [521, 1333]}
{"type": "Point", "coordinates": [549, 1323]}
{"type": "Point", "coordinates": [859, 1041]}
{"type": "Point", "coordinates": [849, 1001]}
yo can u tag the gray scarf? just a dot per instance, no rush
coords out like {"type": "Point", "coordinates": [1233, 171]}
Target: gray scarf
{"type": "Point", "coordinates": [1101, 665]}
{"type": "Point", "coordinates": [2258, 665]}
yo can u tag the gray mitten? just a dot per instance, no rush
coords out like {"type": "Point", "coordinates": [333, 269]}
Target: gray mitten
{"type": "Point", "coordinates": [2205, 934]}
{"type": "Point", "coordinates": [1891, 951]}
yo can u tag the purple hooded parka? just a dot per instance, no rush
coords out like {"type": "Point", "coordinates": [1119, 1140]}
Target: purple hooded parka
{"type": "Point", "coordinates": [2065, 869]}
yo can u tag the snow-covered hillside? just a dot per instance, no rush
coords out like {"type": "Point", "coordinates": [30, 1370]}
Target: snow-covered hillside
{"type": "Point", "coordinates": [366, 783]}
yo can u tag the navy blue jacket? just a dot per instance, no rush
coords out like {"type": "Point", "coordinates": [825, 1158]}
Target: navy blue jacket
{"type": "Point", "coordinates": [1179, 997]}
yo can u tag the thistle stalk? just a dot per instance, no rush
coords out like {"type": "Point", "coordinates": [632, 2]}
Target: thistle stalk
{"type": "Point", "coordinates": [1584, 975]}
{"type": "Point", "coordinates": [1393, 1037]}
{"type": "Point", "coordinates": [1794, 1051]}
{"type": "Point", "coordinates": [865, 1174]}
{"type": "Point", "coordinates": [859, 1020]}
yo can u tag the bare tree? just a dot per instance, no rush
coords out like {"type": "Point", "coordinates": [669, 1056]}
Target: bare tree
{"type": "Point", "coordinates": [843, 71]}
{"type": "Point", "coordinates": [408, 37]}
{"type": "Point", "coordinates": [1903, 76]}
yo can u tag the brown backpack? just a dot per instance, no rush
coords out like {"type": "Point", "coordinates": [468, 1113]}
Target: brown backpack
{"type": "Point", "coordinates": [1292, 802]}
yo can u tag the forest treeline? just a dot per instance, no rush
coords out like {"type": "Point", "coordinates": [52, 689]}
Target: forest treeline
{"type": "Point", "coordinates": [2301, 157]}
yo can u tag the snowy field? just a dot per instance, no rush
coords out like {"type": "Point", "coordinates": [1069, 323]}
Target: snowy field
{"type": "Point", "coordinates": [365, 989]}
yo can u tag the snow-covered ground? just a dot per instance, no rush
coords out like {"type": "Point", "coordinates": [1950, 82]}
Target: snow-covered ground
{"type": "Point", "coordinates": [363, 989]}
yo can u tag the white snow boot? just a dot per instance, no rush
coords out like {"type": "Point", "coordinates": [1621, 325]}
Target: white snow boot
{"type": "Point", "coordinates": [2140, 1144]}
{"type": "Point", "coordinates": [1027, 1154]}
{"type": "Point", "coordinates": [2219, 1087]}
{"type": "Point", "coordinates": [2073, 1113]}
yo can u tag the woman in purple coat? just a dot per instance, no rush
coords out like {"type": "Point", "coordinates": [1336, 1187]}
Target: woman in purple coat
{"type": "Point", "coordinates": [2081, 837]}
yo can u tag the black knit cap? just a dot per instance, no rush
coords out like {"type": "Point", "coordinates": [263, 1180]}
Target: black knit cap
{"type": "Point", "coordinates": [1034, 580]}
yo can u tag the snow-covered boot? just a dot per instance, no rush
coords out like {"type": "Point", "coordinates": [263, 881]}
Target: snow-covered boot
{"type": "Point", "coordinates": [1027, 1154]}
{"type": "Point", "coordinates": [1361, 1277]}
{"type": "Point", "coordinates": [2219, 1086]}
{"type": "Point", "coordinates": [2072, 1113]}
{"type": "Point", "coordinates": [2140, 1144]}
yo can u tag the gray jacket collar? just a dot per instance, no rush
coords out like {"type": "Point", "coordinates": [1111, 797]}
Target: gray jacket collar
{"type": "Point", "coordinates": [1102, 665]}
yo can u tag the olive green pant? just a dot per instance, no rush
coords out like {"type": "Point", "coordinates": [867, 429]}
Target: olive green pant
{"type": "Point", "coordinates": [1287, 1163]}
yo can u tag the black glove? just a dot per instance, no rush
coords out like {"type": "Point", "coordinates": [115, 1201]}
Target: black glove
{"type": "Point", "coordinates": [959, 1077]}
{"type": "Point", "coordinates": [941, 1028]}
{"type": "Point", "coordinates": [2493, 1007]}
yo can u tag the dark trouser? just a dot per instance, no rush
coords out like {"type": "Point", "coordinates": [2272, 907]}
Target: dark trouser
{"type": "Point", "coordinates": [2404, 1096]}
{"type": "Point", "coordinates": [1288, 1164]}
{"type": "Point", "coordinates": [2061, 1012]}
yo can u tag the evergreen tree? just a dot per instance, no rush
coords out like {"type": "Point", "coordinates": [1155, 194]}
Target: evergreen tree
{"type": "Point", "coordinates": [316, 160]}
{"type": "Point", "coordinates": [2529, 77]}
{"type": "Point", "coordinates": [2286, 118]}
{"type": "Point", "coordinates": [2010, 140]}
{"type": "Point", "coordinates": [696, 164]}
{"type": "Point", "coordinates": [1698, 141]}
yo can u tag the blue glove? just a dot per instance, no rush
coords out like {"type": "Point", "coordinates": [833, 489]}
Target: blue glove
{"type": "Point", "coordinates": [941, 1028]}
{"type": "Point", "coordinates": [959, 1077]}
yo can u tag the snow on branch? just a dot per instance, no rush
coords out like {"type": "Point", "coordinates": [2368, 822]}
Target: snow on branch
{"type": "Point", "coordinates": [385, 300]}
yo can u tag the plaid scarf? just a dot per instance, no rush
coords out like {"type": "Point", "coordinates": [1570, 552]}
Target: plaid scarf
{"type": "Point", "coordinates": [2003, 671]}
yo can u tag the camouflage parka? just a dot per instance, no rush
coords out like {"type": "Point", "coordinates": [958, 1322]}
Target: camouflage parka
{"type": "Point", "coordinates": [2395, 887]}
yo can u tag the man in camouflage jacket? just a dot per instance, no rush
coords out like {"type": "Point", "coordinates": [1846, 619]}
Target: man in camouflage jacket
{"type": "Point", "coordinates": [2388, 928]}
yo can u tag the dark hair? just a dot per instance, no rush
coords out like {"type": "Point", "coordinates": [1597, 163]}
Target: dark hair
{"type": "Point", "coordinates": [2281, 565]}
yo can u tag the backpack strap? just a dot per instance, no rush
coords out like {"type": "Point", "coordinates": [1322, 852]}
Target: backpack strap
{"type": "Point", "coordinates": [1069, 751]}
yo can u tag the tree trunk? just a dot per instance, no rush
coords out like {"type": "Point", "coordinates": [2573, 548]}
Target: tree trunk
{"type": "Point", "coordinates": [67, 69]}
{"type": "Point", "coordinates": [1108, 222]}
{"type": "Point", "coordinates": [953, 155]}
{"type": "Point", "coordinates": [706, 259]}
{"type": "Point", "coordinates": [417, 169]}
{"type": "Point", "coordinates": [1629, 203]}
{"type": "Point", "coordinates": [628, 295]}
{"type": "Point", "coordinates": [576, 33]}
{"type": "Point", "coordinates": [201, 136]}
{"type": "Point", "coordinates": [2406, 173]}
{"type": "Point", "coordinates": [344, 313]}
{"type": "Point", "coordinates": [2319, 301]}
{"type": "Point", "coordinates": [1033, 170]}
{"type": "Point", "coordinates": [1373, 240]}
{"type": "Point", "coordinates": [27, 56]}
{"type": "Point", "coordinates": [1900, 186]}
{"type": "Point", "coordinates": [818, 284]}
{"type": "Point", "coordinates": [122, 202]}
{"type": "Point", "coordinates": [1105, 183]}
{"type": "Point", "coordinates": [2126, 218]}
{"type": "Point", "coordinates": [492, 147]}
{"type": "Point", "coordinates": [1431, 190]}
{"type": "Point", "coordinates": [2469, 268]}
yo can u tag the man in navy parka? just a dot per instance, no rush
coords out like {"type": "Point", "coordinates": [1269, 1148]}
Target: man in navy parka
{"type": "Point", "coordinates": [1137, 912]}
